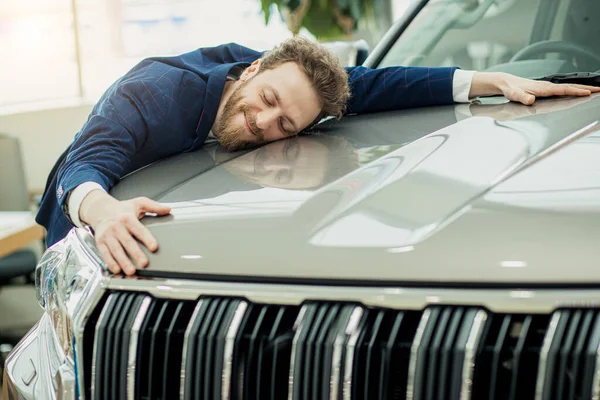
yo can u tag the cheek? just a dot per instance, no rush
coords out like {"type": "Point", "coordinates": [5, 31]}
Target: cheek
{"type": "Point", "coordinates": [236, 121]}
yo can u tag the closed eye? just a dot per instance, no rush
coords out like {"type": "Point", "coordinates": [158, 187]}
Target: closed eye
{"type": "Point", "coordinates": [285, 131]}
{"type": "Point", "coordinates": [266, 101]}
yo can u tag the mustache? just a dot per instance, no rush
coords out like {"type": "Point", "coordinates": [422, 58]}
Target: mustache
{"type": "Point", "coordinates": [251, 119]}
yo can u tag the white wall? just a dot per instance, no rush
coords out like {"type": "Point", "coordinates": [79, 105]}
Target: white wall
{"type": "Point", "coordinates": [44, 135]}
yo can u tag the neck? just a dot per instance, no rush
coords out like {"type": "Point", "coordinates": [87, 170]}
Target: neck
{"type": "Point", "coordinates": [230, 87]}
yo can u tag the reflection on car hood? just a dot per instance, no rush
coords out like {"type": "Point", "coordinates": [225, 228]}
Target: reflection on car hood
{"type": "Point", "coordinates": [424, 195]}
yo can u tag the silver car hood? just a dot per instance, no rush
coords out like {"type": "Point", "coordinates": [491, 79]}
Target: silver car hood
{"type": "Point", "coordinates": [509, 196]}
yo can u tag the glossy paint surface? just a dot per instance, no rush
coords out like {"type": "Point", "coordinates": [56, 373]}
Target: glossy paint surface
{"type": "Point", "coordinates": [498, 193]}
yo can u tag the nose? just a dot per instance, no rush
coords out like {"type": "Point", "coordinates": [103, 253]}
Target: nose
{"type": "Point", "coordinates": [265, 119]}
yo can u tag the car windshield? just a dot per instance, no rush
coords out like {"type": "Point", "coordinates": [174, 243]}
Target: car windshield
{"type": "Point", "coordinates": [529, 38]}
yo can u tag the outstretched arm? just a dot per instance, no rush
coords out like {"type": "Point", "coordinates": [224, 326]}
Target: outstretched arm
{"type": "Point", "coordinates": [393, 88]}
{"type": "Point", "coordinates": [522, 90]}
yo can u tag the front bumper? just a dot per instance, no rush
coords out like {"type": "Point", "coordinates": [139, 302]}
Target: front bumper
{"type": "Point", "coordinates": [34, 371]}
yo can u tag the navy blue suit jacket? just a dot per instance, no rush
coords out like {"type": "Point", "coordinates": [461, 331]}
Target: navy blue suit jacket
{"type": "Point", "coordinates": [168, 105]}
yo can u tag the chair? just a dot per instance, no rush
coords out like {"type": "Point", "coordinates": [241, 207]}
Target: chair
{"type": "Point", "coordinates": [14, 196]}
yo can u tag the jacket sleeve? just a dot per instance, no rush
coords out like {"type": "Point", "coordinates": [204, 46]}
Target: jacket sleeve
{"type": "Point", "coordinates": [119, 125]}
{"type": "Point", "coordinates": [230, 53]}
{"type": "Point", "coordinates": [393, 88]}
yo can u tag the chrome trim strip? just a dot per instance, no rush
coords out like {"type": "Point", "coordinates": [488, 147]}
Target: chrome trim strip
{"type": "Point", "coordinates": [539, 387]}
{"type": "Point", "coordinates": [414, 351]}
{"type": "Point", "coordinates": [350, 348]}
{"type": "Point", "coordinates": [596, 381]}
{"type": "Point", "coordinates": [133, 341]}
{"type": "Point", "coordinates": [470, 350]}
{"type": "Point", "coordinates": [103, 313]}
{"type": "Point", "coordinates": [499, 300]}
{"type": "Point", "coordinates": [299, 327]}
{"type": "Point", "coordinates": [336, 359]}
{"type": "Point", "coordinates": [186, 338]}
{"type": "Point", "coordinates": [232, 332]}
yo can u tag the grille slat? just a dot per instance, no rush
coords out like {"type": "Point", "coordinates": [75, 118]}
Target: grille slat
{"type": "Point", "coordinates": [322, 365]}
{"type": "Point", "coordinates": [519, 354]}
{"type": "Point", "coordinates": [112, 379]}
{"type": "Point", "coordinates": [280, 338]}
{"type": "Point", "coordinates": [209, 358]}
{"type": "Point", "coordinates": [111, 347]}
{"type": "Point", "coordinates": [499, 375]}
{"type": "Point", "coordinates": [139, 347]}
{"type": "Point", "coordinates": [99, 346]}
{"type": "Point", "coordinates": [434, 353]}
{"type": "Point", "coordinates": [200, 356]}
{"type": "Point", "coordinates": [590, 358]}
{"type": "Point", "coordinates": [142, 372]}
{"type": "Point", "coordinates": [382, 354]}
{"type": "Point", "coordinates": [122, 357]}
{"type": "Point", "coordinates": [191, 347]}
{"type": "Point", "coordinates": [577, 356]}
{"type": "Point", "coordinates": [564, 358]}
{"type": "Point", "coordinates": [446, 357]}
{"type": "Point", "coordinates": [263, 350]}
{"type": "Point", "coordinates": [308, 346]}
{"type": "Point", "coordinates": [421, 356]}
{"type": "Point", "coordinates": [563, 355]}
{"type": "Point", "coordinates": [156, 349]}
{"type": "Point", "coordinates": [169, 332]}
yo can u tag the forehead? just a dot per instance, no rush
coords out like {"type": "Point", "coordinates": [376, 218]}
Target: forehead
{"type": "Point", "coordinates": [295, 90]}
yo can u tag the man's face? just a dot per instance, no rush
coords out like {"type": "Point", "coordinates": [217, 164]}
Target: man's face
{"type": "Point", "coordinates": [268, 106]}
{"type": "Point", "coordinates": [298, 163]}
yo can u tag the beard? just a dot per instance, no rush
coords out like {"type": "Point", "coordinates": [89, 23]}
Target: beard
{"type": "Point", "coordinates": [232, 137]}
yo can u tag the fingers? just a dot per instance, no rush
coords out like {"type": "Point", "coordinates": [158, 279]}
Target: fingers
{"type": "Point", "coordinates": [593, 89]}
{"type": "Point", "coordinates": [132, 248]}
{"type": "Point", "coordinates": [527, 95]}
{"type": "Point", "coordinates": [108, 258]}
{"type": "Point", "coordinates": [150, 206]}
{"type": "Point", "coordinates": [142, 233]}
{"type": "Point", "coordinates": [571, 90]}
{"type": "Point", "coordinates": [118, 253]}
{"type": "Point", "coordinates": [550, 89]}
{"type": "Point", "coordinates": [117, 232]}
{"type": "Point", "coordinates": [118, 246]}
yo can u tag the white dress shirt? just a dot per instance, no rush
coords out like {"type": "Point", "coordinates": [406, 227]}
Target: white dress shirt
{"type": "Point", "coordinates": [461, 86]}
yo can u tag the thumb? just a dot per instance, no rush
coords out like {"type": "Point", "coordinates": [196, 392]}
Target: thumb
{"type": "Point", "coordinates": [524, 97]}
{"type": "Point", "coordinates": [147, 205]}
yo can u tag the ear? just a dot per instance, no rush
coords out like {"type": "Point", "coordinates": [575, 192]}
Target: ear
{"type": "Point", "coordinates": [251, 70]}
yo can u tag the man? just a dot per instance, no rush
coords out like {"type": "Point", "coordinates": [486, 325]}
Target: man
{"type": "Point", "coordinates": [241, 98]}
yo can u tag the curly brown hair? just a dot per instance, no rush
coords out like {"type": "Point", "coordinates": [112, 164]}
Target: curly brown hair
{"type": "Point", "coordinates": [322, 67]}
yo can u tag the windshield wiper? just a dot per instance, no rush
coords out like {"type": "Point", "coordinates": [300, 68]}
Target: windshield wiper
{"type": "Point", "coordinates": [580, 78]}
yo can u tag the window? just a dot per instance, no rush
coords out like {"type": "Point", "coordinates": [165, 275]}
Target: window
{"type": "Point", "coordinates": [38, 52]}
{"type": "Point", "coordinates": [40, 61]}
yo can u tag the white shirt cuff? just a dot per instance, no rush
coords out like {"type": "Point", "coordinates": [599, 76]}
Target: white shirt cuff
{"type": "Point", "coordinates": [76, 197]}
{"type": "Point", "coordinates": [461, 85]}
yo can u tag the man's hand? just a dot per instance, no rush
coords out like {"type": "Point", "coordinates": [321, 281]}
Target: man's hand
{"type": "Point", "coordinates": [522, 90]}
{"type": "Point", "coordinates": [511, 110]}
{"type": "Point", "coordinates": [117, 225]}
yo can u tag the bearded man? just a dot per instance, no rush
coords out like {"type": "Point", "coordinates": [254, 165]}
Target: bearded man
{"type": "Point", "coordinates": [240, 98]}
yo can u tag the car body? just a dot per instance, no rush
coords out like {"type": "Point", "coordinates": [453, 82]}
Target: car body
{"type": "Point", "coordinates": [442, 252]}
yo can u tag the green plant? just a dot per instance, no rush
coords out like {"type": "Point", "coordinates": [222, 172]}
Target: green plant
{"type": "Point", "coordinates": [328, 19]}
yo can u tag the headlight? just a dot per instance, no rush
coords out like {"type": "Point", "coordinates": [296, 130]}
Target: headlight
{"type": "Point", "coordinates": [65, 276]}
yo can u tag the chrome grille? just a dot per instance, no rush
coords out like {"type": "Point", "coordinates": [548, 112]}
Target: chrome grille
{"type": "Point", "coordinates": [136, 346]}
